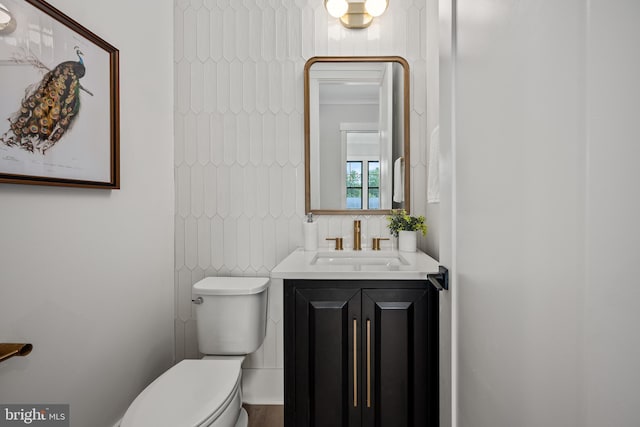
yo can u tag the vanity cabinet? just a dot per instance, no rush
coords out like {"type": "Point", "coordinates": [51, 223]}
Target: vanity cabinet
{"type": "Point", "coordinates": [360, 353]}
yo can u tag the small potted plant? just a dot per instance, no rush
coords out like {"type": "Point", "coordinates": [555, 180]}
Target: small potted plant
{"type": "Point", "coordinates": [405, 228]}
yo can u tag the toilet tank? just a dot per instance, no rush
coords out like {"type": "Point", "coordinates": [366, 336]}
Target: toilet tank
{"type": "Point", "coordinates": [232, 317]}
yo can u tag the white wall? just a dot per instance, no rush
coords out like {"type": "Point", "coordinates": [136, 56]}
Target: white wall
{"type": "Point", "coordinates": [544, 102]}
{"type": "Point", "coordinates": [520, 212]}
{"type": "Point", "coordinates": [431, 245]}
{"type": "Point", "coordinates": [330, 159]}
{"type": "Point", "coordinates": [239, 138]}
{"type": "Point", "coordinates": [612, 342]}
{"type": "Point", "coordinates": [87, 275]}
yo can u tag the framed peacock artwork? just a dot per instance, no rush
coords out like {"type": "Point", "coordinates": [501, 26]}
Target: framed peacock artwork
{"type": "Point", "coordinates": [59, 102]}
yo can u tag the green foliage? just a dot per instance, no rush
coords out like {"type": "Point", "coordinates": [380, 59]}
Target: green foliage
{"type": "Point", "coordinates": [354, 179]}
{"type": "Point", "coordinates": [400, 221]}
{"type": "Point", "coordinates": [354, 193]}
{"type": "Point", "coordinates": [374, 177]}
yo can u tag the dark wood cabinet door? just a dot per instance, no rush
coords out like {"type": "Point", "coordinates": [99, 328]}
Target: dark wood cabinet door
{"type": "Point", "coordinates": [327, 347]}
{"type": "Point", "coordinates": [400, 357]}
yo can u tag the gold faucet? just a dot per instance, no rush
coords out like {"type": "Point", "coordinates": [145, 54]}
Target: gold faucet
{"type": "Point", "coordinates": [357, 237]}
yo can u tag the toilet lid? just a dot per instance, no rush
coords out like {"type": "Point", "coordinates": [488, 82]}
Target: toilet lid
{"type": "Point", "coordinates": [231, 285]}
{"type": "Point", "coordinates": [191, 392]}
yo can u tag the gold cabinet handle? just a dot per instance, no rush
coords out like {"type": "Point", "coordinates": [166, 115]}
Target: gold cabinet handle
{"type": "Point", "coordinates": [355, 363]}
{"type": "Point", "coordinates": [368, 363]}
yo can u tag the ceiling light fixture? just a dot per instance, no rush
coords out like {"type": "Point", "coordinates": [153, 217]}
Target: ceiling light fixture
{"type": "Point", "coordinates": [7, 21]}
{"type": "Point", "coordinates": [356, 14]}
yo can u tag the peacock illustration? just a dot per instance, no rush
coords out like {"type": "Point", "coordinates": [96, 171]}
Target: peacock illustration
{"type": "Point", "coordinates": [49, 108]}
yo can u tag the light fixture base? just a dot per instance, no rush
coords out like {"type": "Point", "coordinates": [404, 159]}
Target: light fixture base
{"type": "Point", "coordinates": [356, 16]}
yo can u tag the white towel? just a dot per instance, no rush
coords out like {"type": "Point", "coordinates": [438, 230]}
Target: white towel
{"type": "Point", "coordinates": [433, 179]}
{"type": "Point", "coordinates": [398, 180]}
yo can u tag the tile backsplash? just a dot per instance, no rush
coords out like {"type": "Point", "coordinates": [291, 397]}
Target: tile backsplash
{"type": "Point", "coordinates": [239, 138]}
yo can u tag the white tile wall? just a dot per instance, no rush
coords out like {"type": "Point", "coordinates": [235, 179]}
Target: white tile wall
{"type": "Point", "coordinates": [239, 138]}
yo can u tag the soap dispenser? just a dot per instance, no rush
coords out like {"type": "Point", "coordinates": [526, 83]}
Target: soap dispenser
{"type": "Point", "coordinates": [310, 231]}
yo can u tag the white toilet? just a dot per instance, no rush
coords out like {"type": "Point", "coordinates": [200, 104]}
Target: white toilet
{"type": "Point", "coordinates": [231, 314]}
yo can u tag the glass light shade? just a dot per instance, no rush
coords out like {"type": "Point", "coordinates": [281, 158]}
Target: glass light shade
{"type": "Point", "coordinates": [5, 18]}
{"type": "Point", "coordinates": [375, 7]}
{"type": "Point", "coordinates": [336, 8]}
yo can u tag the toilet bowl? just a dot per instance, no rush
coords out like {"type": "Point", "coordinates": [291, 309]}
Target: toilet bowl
{"type": "Point", "coordinates": [231, 318]}
{"type": "Point", "coordinates": [192, 393]}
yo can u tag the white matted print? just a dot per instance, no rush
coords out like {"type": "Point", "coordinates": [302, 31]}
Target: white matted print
{"type": "Point", "coordinates": [59, 103]}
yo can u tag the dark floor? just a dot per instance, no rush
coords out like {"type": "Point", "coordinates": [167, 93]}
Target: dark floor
{"type": "Point", "coordinates": [265, 415]}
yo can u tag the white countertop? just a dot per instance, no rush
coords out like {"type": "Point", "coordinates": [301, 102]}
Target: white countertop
{"type": "Point", "coordinates": [332, 264]}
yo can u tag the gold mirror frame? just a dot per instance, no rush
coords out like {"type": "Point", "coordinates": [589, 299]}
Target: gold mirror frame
{"type": "Point", "coordinates": [307, 134]}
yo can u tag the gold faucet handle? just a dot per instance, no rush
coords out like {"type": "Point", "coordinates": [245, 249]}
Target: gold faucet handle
{"type": "Point", "coordinates": [338, 242]}
{"type": "Point", "coordinates": [375, 245]}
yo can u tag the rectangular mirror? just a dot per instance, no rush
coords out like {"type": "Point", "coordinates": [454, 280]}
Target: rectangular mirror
{"type": "Point", "coordinates": [356, 121]}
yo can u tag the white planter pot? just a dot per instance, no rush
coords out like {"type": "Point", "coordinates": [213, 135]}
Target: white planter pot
{"type": "Point", "coordinates": [407, 241]}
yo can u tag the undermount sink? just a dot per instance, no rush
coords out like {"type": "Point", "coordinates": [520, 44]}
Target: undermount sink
{"type": "Point", "coordinates": [357, 258]}
{"type": "Point", "coordinates": [367, 264]}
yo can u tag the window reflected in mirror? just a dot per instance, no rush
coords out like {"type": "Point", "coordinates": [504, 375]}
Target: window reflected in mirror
{"type": "Point", "coordinates": [362, 171]}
